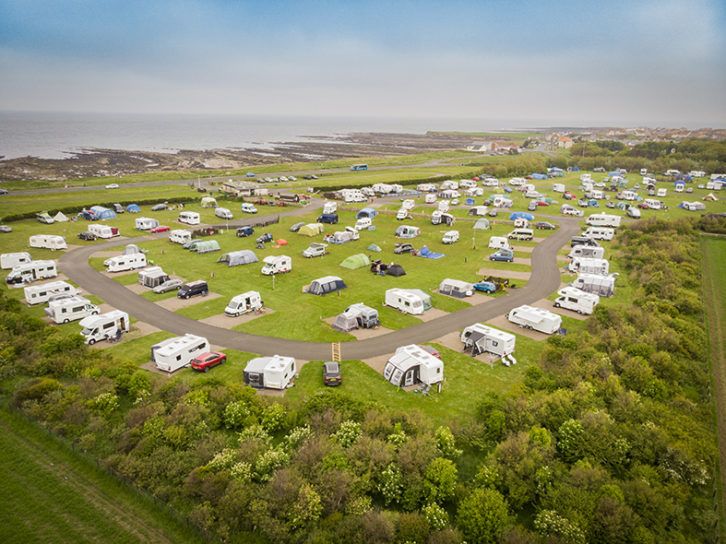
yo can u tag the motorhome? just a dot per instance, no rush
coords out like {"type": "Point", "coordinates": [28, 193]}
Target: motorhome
{"type": "Point", "coordinates": [412, 364]}
{"type": "Point", "coordinates": [32, 271]}
{"type": "Point", "coordinates": [145, 223]}
{"type": "Point", "coordinates": [190, 218]}
{"type": "Point", "coordinates": [152, 277]}
{"type": "Point", "coordinates": [599, 233]}
{"type": "Point", "coordinates": [629, 195]}
{"type": "Point", "coordinates": [47, 241]}
{"type": "Point", "coordinates": [330, 207]}
{"type": "Point", "coordinates": [558, 187]}
{"type": "Point", "coordinates": [103, 231]}
{"type": "Point", "coordinates": [652, 203]}
{"type": "Point", "coordinates": [274, 372]}
{"type": "Point", "coordinates": [363, 223]}
{"type": "Point", "coordinates": [633, 212]}
{"type": "Point", "coordinates": [96, 328]}
{"type": "Point", "coordinates": [39, 294]}
{"type": "Point", "coordinates": [603, 220]}
{"type": "Point", "coordinates": [592, 252]}
{"type": "Point", "coordinates": [571, 298]}
{"type": "Point", "coordinates": [223, 213]}
{"type": "Point", "coordinates": [70, 309]}
{"type": "Point", "coordinates": [11, 260]}
{"type": "Point", "coordinates": [276, 264]}
{"type": "Point", "coordinates": [589, 265]}
{"type": "Point", "coordinates": [450, 237]}
{"type": "Point", "coordinates": [603, 286]}
{"type": "Point", "coordinates": [180, 236]}
{"type": "Point", "coordinates": [408, 301]}
{"type": "Point", "coordinates": [537, 319]}
{"type": "Point", "coordinates": [122, 263]}
{"type": "Point", "coordinates": [402, 214]}
{"type": "Point", "coordinates": [174, 353]}
{"type": "Point", "coordinates": [251, 301]}
{"type": "Point", "coordinates": [499, 242]}
{"type": "Point", "coordinates": [480, 339]}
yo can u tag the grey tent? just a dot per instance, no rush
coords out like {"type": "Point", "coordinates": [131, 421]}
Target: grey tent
{"type": "Point", "coordinates": [326, 284]}
{"type": "Point", "coordinates": [131, 249]}
{"type": "Point", "coordinates": [456, 288]}
{"type": "Point", "coordinates": [207, 246]}
{"type": "Point", "coordinates": [374, 247]}
{"type": "Point", "coordinates": [356, 316]}
{"type": "Point", "coordinates": [482, 223]}
{"type": "Point", "coordinates": [236, 258]}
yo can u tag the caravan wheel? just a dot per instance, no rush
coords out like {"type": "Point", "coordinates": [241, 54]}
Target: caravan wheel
{"type": "Point", "coordinates": [92, 341]}
{"type": "Point", "coordinates": [65, 320]}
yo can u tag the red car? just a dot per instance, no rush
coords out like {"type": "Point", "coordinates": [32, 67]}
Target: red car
{"type": "Point", "coordinates": [205, 361]}
{"type": "Point", "coordinates": [542, 203]}
{"type": "Point", "coordinates": [160, 228]}
{"type": "Point", "coordinates": [568, 195]}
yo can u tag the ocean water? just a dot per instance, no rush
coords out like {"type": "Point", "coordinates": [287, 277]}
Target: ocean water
{"type": "Point", "coordinates": [56, 135]}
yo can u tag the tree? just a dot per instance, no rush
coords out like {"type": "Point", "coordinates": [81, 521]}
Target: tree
{"type": "Point", "coordinates": [440, 480]}
{"type": "Point", "coordinates": [482, 516]}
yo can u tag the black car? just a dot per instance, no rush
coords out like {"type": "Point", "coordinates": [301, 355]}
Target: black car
{"type": "Point", "coordinates": [88, 236]}
{"type": "Point", "coordinates": [331, 374]}
{"type": "Point", "coordinates": [403, 248]}
{"type": "Point", "coordinates": [544, 225]}
{"type": "Point", "coordinates": [193, 289]}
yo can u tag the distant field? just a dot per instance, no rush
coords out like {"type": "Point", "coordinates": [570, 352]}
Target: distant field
{"type": "Point", "coordinates": [71, 501]}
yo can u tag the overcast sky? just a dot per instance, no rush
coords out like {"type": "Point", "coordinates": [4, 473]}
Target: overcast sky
{"type": "Point", "coordinates": [656, 62]}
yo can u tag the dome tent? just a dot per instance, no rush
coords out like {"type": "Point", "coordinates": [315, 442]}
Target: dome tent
{"type": "Point", "coordinates": [359, 260]}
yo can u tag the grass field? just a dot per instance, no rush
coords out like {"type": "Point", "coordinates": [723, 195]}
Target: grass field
{"type": "Point", "coordinates": [72, 501]}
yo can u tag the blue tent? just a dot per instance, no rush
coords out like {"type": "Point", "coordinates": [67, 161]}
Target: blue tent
{"type": "Point", "coordinates": [614, 173]}
{"type": "Point", "coordinates": [679, 182]}
{"type": "Point", "coordinates": [103, 213]}
{"type": "Point", "coordinates": [133, 208]}
{"type": "Point", "coordinates": [507, 189]}
{"type": "Point", "coordinates": [366, 212]}
{"type": "Point", "coordinates": [593, 203]}
{"type": "Point", "coordinates": [469, 202]}
{"type": "Point", "coordinates": [521, 215]}
{"type": "Point", "coordinates": [426, 252]}
{"type": "Point", "coordinates": [540, 176]}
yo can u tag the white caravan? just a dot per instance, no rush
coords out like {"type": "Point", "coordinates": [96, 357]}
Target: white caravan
{"type": "Point", "coordinates": [151, 277]}
{"type": "Point", "coordinates": [103, 231]}
{"type": "Point", "coordinates": [274, 372]}
{"type": "Point", "coordinates": [629, 195]}
{"type": "Point", "coordinates": [251, 301]}
{"type": "Point", "coordinates": [402, 214]}
{"type": "Point", "coordinates": [430, 198]}
{"type": "Point", "coordinates": [517, 181]}
{"type": "Point", "coordinates": [175, 353]}
{"type": "Point", "coordinates": [537, 319]}
{"type": "Point", "coordinates": [481, 338]}
{"type": "Point", "coordinates": [587, 251]}
{"type": "Point", "coordinates": [661, 192]}
{"type": "Point", "coordinates": [412, 364]}
{"type": "Point", "coordinates": [70, 309]}
{"type": "Point", "coordinates": [409, 301]}
{"type": "Point", "coordinates": [478, 211]}
{"type": "Point", "coordinates": [11, 260]}
{"type": "Point", "coordinates": [599, 233]}
{"type": "Point", "coordinates": [32, 271]}
{"type": "Point", "coordinates": [122, 263]}
{"type": "Point", "coordinates": [352, 195]}
{"type": "Point", "coordinates": [499, 242]}
{"type": "Point", "coordinates": [190, 218]}
{"type": "Point", "coordinates": [588, 265]}
{"type": "Point", "coordinates": [576, 300]}
{"type": "Point", "coordinates": [558, 187]}
{"type": "Point", "coordinates": [652, 203]}
{"type": "Point", "coordinates": [634, 212]}
{"type": "Point", "coordinates": [603, 220]}
{"type": "Point", "coordinates": [47, 241]}
{"type": "Point", "coordinates": [145, 223]}
{"type": "Point", "coordinates": [180, 236]}
{"type": "Point", "coordinates": [363, 223]}
{"type": "Point", "coordinates": [408, 204]}
{"type": "Point", "coordinates": [96, 328]}
{"type": "Point", "coordinates": [276, 264]}
{"type": "Point", "coordinates": [603, 286]}
{"type": "Point", "coordinates": [330, 207]}
{"type": "Point", "coordinates": [39, 294]}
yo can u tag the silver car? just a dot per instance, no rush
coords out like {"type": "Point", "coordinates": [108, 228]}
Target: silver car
{"type": "Point", "coordinates": [168, 285]}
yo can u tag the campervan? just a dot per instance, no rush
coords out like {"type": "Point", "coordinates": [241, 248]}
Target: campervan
{"type": "Point", "coordinates": [180, 236]}
{"type": "Point", "coordinates": [603, 286]}
{"type": "Point", "coordinates": [363, 223]}
{"type": "Point", "coordinates": [409, 301]}
{"type": "Point", "coordinates": [330, 207]}
{"type": "Point", "coordinates": [599, 233]}
{"type": "Point", "coordinates": [223, 213]}
{"type": "Point", "coordinates": [11, 260]}
{"type": "Point", "coordinates": [402, 214]}
{"type": "Point", "coordinates": [652, 203]}
{"type": "Point", "coordinates": [589, 265]}
{"type": "Point", "coordinates": [32, 271]}
{"type": "Point", "coordinates": [274, 372]}
{"type": "Point", "coordinates": [175, 353]}
{"type": "Point", "coordinates": [145, 223]}
{"type": "Point", "coordinates": [190, 218]}
{"type": "Point", "coordinates": [481, 338]}
{"type": "Point", "coordinates": [430, 198]}
{"type": "Point", "coordinates": [70, 309]}
{"type": "Point", "coordinates": [450, 237]}
{"type": "Point", "coordinates": [592, 252]}
{"type": "Point", "coordinates": [251, 301]}
{"type": "Point", "coordinates": [101, 327]}
{"type": "Point", "coordinates": [277, 264]}
{"type": "Point", "coordinates": [47, 241]}
{"type": "Point", "coordinates": [499, 242]}
{"type": "Point", "coordinates": [39, 294]}
{"type": "Point", "coordinates": [151, 277]}
{"type": "Point", "coordinates": [558, 187]}
{"type": "Point", "coordinates": [103, 231]}
{"type": "Point", "coordinates": [521, 234]}
{"type": "Point", "coordinates": [603, 220]}
{"type": "Point", "coordinates": [537, 319]}
{"type": "Point", "coordinates": [576, 300]}
{"type": "Point", "coordinates": [122, 263]}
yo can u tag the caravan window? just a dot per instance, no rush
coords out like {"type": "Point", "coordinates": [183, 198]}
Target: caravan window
{"type": "Point", "coordinates": [407, 303]}
{"type": "Point", "coordinates": [495, 343]}
{"type": "Point", "coordinates": [438, 370]}
{"type": "Point", "coordinates": [178, 357]}
{"type": "Point", "coordinates": [107, 326]}
{"type": "Point", "coordinates": [200, 346]}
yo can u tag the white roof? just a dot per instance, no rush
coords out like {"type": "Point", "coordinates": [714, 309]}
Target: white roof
{"type": "Point", "coordinates": [533, 313]}
{"type": "Point", "coordinates": [75, 299]}
{"type": "Point", "coordinates": [172, 345]}
{"type": "Point", "coordinates": [570, 291]}
{"type": "Point", "coordinates": [274, 363]}
{"type": "Point", "coordinates": [272, 259]}
{"type": "Point", "coordinates": [412, 355]}
{"type": "Point", "coordinates": [491, 332]}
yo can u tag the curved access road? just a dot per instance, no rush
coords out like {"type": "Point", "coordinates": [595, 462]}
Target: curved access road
{"type": "Point", "coordinates": [545, 279]}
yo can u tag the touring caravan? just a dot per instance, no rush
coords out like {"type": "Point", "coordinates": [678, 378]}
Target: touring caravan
{"type": "Point", "coordinates": [402, 214]}
{"type": "Point", "coordinates": [479, 211]}
{"type": "Point", "coordinates": [603, 286]}
{"type": "Point", "coordinates": [599, 233]}
{"type": "Point", "coordinates": [590, 252]}
{"type": "Point", "coordinates": [180, 236]}
{"type": "Point", "coordinates": [603, 220]}
{"type": "Point", "coordinates": [480, 339]}
{"type": "Point", "coordinates": [11, 260]}
{"type": "Point", "coordinates": [456, 288]}
{"type": "Point", "coordinates": [629, 195]}
{"type": "Point", "coordinates": [537, 319]}
{"type": "Point", "coordinates": [32, 271]}
{"type": "Point", "coordinates": [47, 241]}
{"type": "Point", "coordinates": [174, 353]}
{"type": "Point", "coordinates": [407, 231]}
{"type": "Point", "coordinates": [589, 265]}
{"type": "Point", "coordinates": [430, 198]}
{"type": "Point", "coordinates": [145, 223]}
{"type": "Point", "coordinates": [122, 263]}
{"type": "Point", "coordinates": [558, 187]}
{"type": "Point", "coordinates": [251, 301]}
{"type": "Point", "coordinates": [633, 212]}
{"type": "Point", "coordinates": [412, 364]}
{"type": "Point", "coordinates": [151, 277]}
{"type": "Point", "coordinates": [70, 309]}
{"type": "Point", "coordinates": [576, 300]}
{"type": "Point", "coordinates": [276, 264]}
{"type": "Point", "coordinates": [442, 218]}
{"type": "Point", "coordinates": [408, 301]}
{"type": "Point", "coordinates": [101, 327]}
{"type": "Point", "coordinates": [330, 207]}
{"type": "Point", "coordinates": [499, 242]}
{"type": "Point", "coordinates": [652, 204]}
{"type": "Point", "coordinates": [223, 213]}
{"type": "Point", "coordinates": [190, 218]}
{"type": "Point", "coordinates": [274, 372]}
{"type": "Point", "coordinates": [103, 231]}
{"type": "Point", "coordinates": [39, 294]}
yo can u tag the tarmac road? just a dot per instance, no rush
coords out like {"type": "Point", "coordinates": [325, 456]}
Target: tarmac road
{"type": "Point", "coordinates": [545, 279]}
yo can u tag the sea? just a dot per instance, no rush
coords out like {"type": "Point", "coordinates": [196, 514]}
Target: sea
{"type": "Point", "coordinates": [58, 135]}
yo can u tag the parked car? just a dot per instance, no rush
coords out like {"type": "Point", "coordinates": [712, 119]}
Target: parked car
{"type": "Point", "coordinates": [243, 232]}
{"type": "Point", "coordinates": [503, 255]}
{"type": "Point", "coordinates": [160, 228]}
{"type": "Point", "coordinates": [248, 208]}
{"type": "Point", "coordinates": [6, 228]}
{"type": "Point", "coordinates": [610, 204]}
{"type": "Point", "coordinates": [168, 285]}
{"type": "Point", "coordinates": [567, 195]}
{"type": "Point", "coordinates": [193, 289]}
{"type": "Point", "coordinates": [544, 225]}
{"type": "Point", "coordinates": [87, 236]}
{"type": "Point", "coordinates": [331, 374]}
{"type": "Point", "coordinates": [403, 248]}
{"type": "Point", "coordinates": [485, 286]}
{"type": "Point", "coordinates": [205, 361]}
{"type": "Point", "coordinates": [112, 186]}
{"type": "Point", "coordinates": [296, 226]}
{"type": "Point", "coordinates": [159, 207]}
{"type": "Point", "coordinates": [118, 208]}
{"type": "Point", "coordinates": [542, 203]}
{"type": "Point", "coordinates": [4, 191]}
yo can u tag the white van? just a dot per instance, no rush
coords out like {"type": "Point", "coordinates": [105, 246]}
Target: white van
{"type": "Point", "coordinates": [599, 233]}
{"type": "Point", "coordinates": [175, 353]}
{"type": "Point", "coordinates": [101, 327]}
{"type": "Point", "coordinates": [521, 234]}
{"type": "Point", "coordinates": [11, 260]}
{"type": "Point", "coordinates": [276, 264]}
{"type": "Point", "coordinates": [70, 309]}
{"type": "Point", "coordinates": [103, 231]}
{"type": "Point", "coordinates": [363, 223]}
{"type": "Point", "coordinates": [180, 236]}
{"type": "Point", "coordinates": [39, 294]}
{"type": "Point", "coordinates": [576, 300]}
{"type": "Point", "coordinates": [223, 213]}
{"type": "Point", "coordinates": [450, 237]}
{"type": "Point", "coordinates": [47, 241]}
{"type": "Point", "coordinates": [251, 301]}
{"type": "Point", "coordinates": [122, 263]}
{"type": "Point", "coordinates": [190, 218]}
{"type": "Point", "coordinates": [32, 271]}
{"type": "Point", "coordinates": [603, 220]}
{"type": "Point", "coordinates": [499, 242]}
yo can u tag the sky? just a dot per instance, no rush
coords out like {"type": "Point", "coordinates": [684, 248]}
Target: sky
{"type": "Point", "coordinates": [661, 63]}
